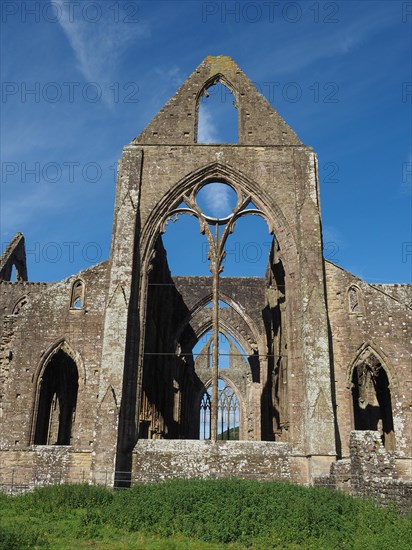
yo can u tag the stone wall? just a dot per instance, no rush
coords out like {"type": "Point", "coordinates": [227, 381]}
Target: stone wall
{"type": "Point", "coordinates": [43, 465]}
{"type": "Point", "coordinates": [30, 336]}
{"type": "Point", "coordinates": [382, 325]}
{"type": "Point", "coordinates": [372, 472]}
{"type": "Point", "coordinates": [155, 461]}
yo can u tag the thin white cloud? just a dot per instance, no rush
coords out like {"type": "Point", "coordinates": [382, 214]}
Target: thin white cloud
{"type": "Point", "coordinates": [217, 198]}
{"type": "Point", "coordinates": [171, 77]}
{"type": "Point", "coordinates": [207, 132]}
{"type": "Point", "coordinates": [98, 45]}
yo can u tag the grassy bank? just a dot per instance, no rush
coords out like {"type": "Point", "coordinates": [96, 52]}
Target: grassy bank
{"type": "Point", "coordinates": [199, 514]}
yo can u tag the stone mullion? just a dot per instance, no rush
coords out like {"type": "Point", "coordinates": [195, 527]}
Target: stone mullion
{"type": "Point", "coordinates": [215, 346]}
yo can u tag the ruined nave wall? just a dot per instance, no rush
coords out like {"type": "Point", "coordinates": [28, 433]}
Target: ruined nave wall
{"type": "Point", "coordinates": [29, 335]}
{"type": "Point", "coordinates": [383, 324]}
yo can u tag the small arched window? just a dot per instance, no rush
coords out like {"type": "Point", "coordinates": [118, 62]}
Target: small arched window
{"type": "Point", "coordinates": [77, 295]}
{"type": "Point", "coordinates": [354, 301]}
{"type": "Point", "coordinates": [19, 305]}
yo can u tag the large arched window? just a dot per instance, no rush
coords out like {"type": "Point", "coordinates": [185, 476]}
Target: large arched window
{"type": "Point", "coordinates": [57, 398]}
{"type": "Point", "coordinates": [372, 404]}
{"type": "Point", "coordinates": [173, 377]}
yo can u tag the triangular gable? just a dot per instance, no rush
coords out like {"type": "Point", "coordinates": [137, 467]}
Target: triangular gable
{"type": "Point", "coordinates": [259, 123]}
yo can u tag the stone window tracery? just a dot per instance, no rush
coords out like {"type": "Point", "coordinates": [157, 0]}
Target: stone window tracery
{"type": "Point", "coordinates": [228, 413]}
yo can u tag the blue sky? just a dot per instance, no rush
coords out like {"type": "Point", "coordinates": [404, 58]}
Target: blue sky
{"type": "Point", "coordinates": [99, 71]}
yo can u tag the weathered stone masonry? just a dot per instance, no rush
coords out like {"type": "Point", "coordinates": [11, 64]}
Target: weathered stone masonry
{"type": "Point", "coordinates": [99, 380]}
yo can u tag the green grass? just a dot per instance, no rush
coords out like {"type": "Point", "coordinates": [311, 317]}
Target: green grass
{"type": "Point", "coordinates": [200, 515]}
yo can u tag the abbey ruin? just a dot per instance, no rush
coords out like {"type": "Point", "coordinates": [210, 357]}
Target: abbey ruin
{"type": "Point", "coordinates": [99, 380]}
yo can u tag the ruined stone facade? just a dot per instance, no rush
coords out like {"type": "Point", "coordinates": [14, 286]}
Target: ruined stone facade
{"type": "Point", "coordinates": [98, 376]}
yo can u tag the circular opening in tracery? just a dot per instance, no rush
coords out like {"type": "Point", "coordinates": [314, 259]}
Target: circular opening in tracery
{"type": "Point", "coordinates": [216, 199]}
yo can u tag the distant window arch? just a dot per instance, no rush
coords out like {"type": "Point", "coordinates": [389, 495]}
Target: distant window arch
{"type": "Point", "coordinates": [354, 300]}
{"type": "Point", "coordinates": [77, 295]}
{"type": "Point", "coordinates": [228, 412]}
{"type": "Point", "coordinates": [57, 400]}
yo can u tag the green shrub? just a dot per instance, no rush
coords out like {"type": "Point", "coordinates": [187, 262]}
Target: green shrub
{"type": "Point", "coordinates": [250, 513]}
{"type": "Point", "coordinates": [18, 538]}
{"type": "Point", "coordinates": [59, 498]}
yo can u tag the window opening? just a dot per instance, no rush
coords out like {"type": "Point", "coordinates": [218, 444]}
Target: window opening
{"type": "Point", "coordinates": [57, 401]}
{"type": "Point", "coordinates": [186, 248]}
{"type": "Point", "coordinates": [372, 400]}
{"type": "Point", "coordinates": [353, 296]}
{"type": "Point", "coordinates": [216, 199]}
{"type": "Point", "coordinates": [77, 296]}
{"type": "Point", "coordinates": [217, 116]}
{"type": "Point", "coordinates": [170, 379]}
{"type": "Point", "coordinates": [248, 247]}
{"type": "Point", "coordinates": [228, 416]}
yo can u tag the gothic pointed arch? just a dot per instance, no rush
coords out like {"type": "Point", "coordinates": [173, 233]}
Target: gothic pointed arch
{"type": "Point", "coordinates": [354, 297]}
{"type": "Point", "coordinates": [372, 395]}
{"type": "Point", "coordinates": [152, 226]}
{"type": "Point", "coordinates": [248, 344]}
{"type": "Point", "coordinates": [254, 109]}
{"type": "Point", "coordinates": [230, 113]}
{"type": "Point", "coordinates": [57, 385]}
{"type": "Point", "coordinates": [232, 176]}
{"type": "Point", "coordinates": [201, 329]}
{"type": "Point", "coordinates": [47, 354]}
{"type": "Point", "coordinates": [211, 81]}
{"type": "Point", "coordinates": [370, 348]}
